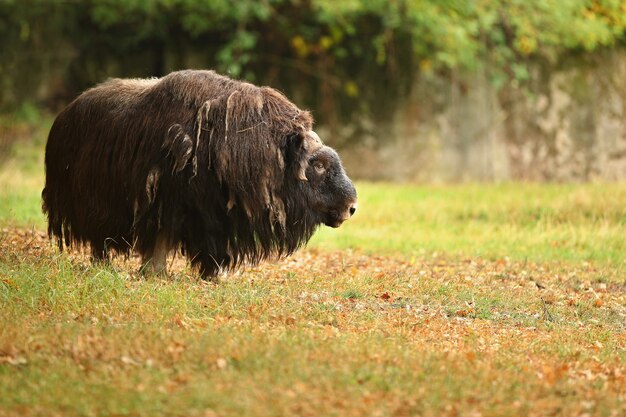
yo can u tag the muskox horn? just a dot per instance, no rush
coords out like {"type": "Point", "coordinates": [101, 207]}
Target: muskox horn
{"type": "Point", "coordinates": [313, 139]}
{"type": "Point", "coordinates": [311, 144]}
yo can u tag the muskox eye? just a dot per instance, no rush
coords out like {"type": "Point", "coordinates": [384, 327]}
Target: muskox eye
{"type": "Point", "coordinates": [319, 167]}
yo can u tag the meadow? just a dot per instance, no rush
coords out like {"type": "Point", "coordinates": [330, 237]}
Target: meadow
{"type": "Point", "coordinates": [454, 300]}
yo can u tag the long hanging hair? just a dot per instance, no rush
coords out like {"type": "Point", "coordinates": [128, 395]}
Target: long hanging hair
{"type": "Point", "coordinates": [215, 164]}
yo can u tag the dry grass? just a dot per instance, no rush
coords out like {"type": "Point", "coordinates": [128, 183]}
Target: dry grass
{"type": "Point", "coordinates": [322, 333]}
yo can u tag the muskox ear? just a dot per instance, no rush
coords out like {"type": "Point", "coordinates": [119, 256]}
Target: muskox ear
{"type": "Point", "coordinates": [179, 147]}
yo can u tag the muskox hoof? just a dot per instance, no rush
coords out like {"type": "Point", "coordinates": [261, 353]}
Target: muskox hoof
{"type": "Point", "coordinates": [212, 278]}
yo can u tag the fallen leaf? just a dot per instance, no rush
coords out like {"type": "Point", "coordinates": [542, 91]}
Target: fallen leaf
{"type": "Point", "coordinates": [128, 360]}
{"type": "Point", "coordinates": [15, 361]}
{"type": "Point", "coordinates": [221, 363]}
{"type": "Point", "coordinates": [465, 312]}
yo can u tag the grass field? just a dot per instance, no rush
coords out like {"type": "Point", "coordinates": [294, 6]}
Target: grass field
{"type": "Point", "coordinates": [464, 300]}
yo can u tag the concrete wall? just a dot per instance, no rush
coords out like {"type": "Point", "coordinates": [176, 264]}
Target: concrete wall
{"type": "Point", "coordinates": [567, 124]}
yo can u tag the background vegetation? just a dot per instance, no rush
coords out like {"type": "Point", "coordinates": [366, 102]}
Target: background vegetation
{"type": "Point", "coordinates": [342, 58]}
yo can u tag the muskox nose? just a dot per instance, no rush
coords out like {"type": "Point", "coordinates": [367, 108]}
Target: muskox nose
{"type": "Point", "coordinates": [352, 209]}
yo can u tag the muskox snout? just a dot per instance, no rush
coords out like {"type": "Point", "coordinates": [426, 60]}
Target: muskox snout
{"type": "Point", "coordinates": [350, 210]}
{"type": "Point", "coordinates": [336, 218]}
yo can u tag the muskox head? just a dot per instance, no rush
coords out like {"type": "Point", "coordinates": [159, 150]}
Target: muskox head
{"type": "Point", "coordinates": [329, 192]}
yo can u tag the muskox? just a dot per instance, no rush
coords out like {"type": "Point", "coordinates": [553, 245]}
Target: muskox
{"type": "Point", "coordinates": [227, 172]}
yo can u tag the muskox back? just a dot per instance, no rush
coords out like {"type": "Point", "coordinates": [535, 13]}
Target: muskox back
{"type": "Point", "coordinates": [192, 160]}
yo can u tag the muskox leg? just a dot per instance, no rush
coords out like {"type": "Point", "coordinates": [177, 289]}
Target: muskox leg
{"type": "Point", "coordinates": [211, 266]}
{"type": "Point", "coordinates": [99, 253]}
{"type": "Point", "coordinates": [154, 261]}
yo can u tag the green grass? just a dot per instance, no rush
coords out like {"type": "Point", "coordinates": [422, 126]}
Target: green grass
{"type": "Point", "coordinates": [520, 221]}
{"type": "Point", "coordinates": [457, 300]}
{"type": "Point", "coordinates": [22, 179]}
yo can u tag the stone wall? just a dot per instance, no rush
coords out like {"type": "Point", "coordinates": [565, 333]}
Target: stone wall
{"type": "Point", "coordinates": [566, 124]}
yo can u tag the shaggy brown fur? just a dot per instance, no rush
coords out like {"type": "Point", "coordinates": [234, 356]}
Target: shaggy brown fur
{"type": "Point", "coordinates": [225, 170]}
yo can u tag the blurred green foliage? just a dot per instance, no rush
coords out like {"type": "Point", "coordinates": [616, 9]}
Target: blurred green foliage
{"type": "Point", "coordinates": [350, 51]}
